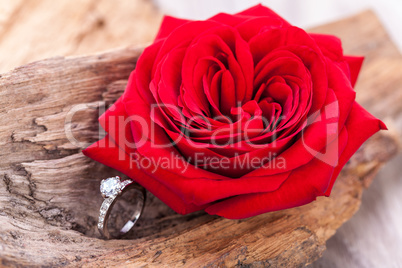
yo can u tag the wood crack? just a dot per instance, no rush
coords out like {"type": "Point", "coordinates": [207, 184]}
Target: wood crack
{"type": "Point", "coordinates": [8, 183]}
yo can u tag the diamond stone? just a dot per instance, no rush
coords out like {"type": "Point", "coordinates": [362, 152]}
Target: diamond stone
{"type": "Point", "coordinates": [110, 186]}
{"type": "Point", "coordinates": [103, 209]}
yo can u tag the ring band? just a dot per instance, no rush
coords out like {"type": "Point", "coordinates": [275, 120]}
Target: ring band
{"type": "Point", "coordinates": [111, 188]}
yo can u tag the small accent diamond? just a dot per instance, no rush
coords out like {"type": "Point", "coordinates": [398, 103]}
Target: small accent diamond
{"type": "Point", "coordinates": [104, 206]}
{"type": "Point", "coordinates": [125, 183]}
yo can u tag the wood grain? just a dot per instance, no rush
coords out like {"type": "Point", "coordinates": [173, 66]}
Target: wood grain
{"type": "Point", "coordinates": [49, 191]}
{"type": "Point", "coordinates": [34, 30]}
{"type": "Point", "coordinates": [373, 237]}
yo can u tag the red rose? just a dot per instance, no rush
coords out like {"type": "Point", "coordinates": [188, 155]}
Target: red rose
{"type": "Point", "coordinates": [238, 115]}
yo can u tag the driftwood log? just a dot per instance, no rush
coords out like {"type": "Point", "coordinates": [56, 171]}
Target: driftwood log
{"type": "Point", "coordinates": [35, 30]}
{"type": "Point", "coordinates": [49, 192]}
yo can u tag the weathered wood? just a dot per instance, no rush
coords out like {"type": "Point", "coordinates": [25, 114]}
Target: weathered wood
{"type": "Point", "coordinates": [370, 238]}
{"type": "Point", "coordinates": [49, 196]}
{"type": "Point", "coordinates": [35, 30]}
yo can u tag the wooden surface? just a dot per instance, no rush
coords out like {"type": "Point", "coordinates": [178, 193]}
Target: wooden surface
{"type": "Point", "coordinates": [373, 237]}
{"type": "Point", "coordinates": [49, 192]}
{"type": "Point", "coordinates": [37, 29]}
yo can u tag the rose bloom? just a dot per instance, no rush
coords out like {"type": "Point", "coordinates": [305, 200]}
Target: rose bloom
{"type": "Point", "coordinates": [255, 115]}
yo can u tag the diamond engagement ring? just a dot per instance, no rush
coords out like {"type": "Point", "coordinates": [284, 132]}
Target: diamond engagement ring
{"type": "Point", "coordinates": [111, 188]}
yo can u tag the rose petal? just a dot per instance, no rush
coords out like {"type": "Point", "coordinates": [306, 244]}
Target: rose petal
{"type": "Point", "coordinates": [168, 25]}
{"type": "Point", "coordinates": [355, 63]}
{"type": "Point", "coordinates": [300, 188]}
{"type": "Point", "coordinates": [143, 74]}
{"type": "Point", "coordinates": [182, 37]}
{"type": "Point", "coordinates": [360, 126]}
{"type": "Point", "coordinates": [339, 83]}
{"type": "Point", "coordinates": [228, 19]}
{"type": "Point", "coordinates": [321, 131]}
{"type": "Point", "coordinates": [254, 26]}
{"type": "Point", "coordinates": [331, 46]}
{"type": "Point", "coordinates": [261, 11]}
{"type": "Point", "coordinates": [298, 42]}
